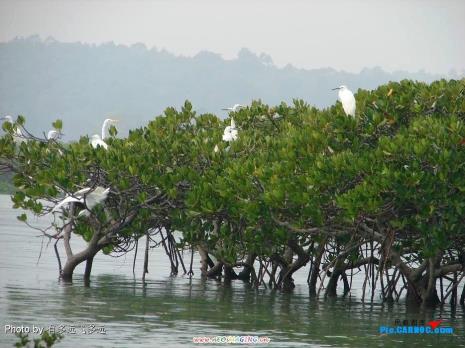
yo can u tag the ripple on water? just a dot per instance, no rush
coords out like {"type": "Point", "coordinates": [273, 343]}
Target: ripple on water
{"type": "Point", "coordinates": [169, 311]}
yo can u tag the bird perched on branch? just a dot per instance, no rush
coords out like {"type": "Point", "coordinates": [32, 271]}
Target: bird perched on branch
{"type": "Point", "coordinates": [106, 126]}
{"type": "Point", "coordinates": [347, 99]}
{"type": "Point", "coordinates": [96, 140]}
{"type": "Point", "coordinates": [230, 132]}
{"type": "Point", "coordinates": [53, 134]}
{"type": "Point", "coordinates": [18, 136]}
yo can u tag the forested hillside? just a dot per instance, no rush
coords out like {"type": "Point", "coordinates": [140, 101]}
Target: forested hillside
{"type": "Point", "coordinates": [83, 84]}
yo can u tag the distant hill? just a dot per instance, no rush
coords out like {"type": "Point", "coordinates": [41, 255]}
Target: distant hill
{"type": "Point", "coordinates": [82, 83]}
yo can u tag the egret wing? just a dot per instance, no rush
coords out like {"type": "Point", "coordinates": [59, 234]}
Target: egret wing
{"type": "Point", "coordinates": [96, 197]}
{"type": "Point", "coordinates": [98, 142]}
{"type": "Point", "coordinates": [82, 192]}
{"type": "Point", "coordinates": [66, 201]}
{"type": "Point", "coordinates": [348, 101]}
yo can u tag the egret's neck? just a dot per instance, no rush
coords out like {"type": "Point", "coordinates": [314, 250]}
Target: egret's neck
{"type": "Point", "coordinates": [105, 127]}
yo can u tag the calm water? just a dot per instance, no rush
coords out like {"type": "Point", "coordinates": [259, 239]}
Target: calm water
{"type": "Point", "coordinates": [169, 311]}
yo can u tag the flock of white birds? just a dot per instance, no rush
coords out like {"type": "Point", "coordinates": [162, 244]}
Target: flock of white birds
{"type": "Point", "coordinates": [90, 197]}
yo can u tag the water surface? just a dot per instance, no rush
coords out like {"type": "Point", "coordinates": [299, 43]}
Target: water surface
{"type": "Point", "coordinates": [169, 311]}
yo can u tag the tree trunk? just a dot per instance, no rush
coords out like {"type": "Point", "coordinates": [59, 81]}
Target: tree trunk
{"type": "Point", "coordinates": [72, 260]}
{"type": "Point", "coordinates": [88, 270]}
{"type": "Point", "coordinates": [247, 270]}
{"type": "Point", "coordinates": [215, 271]}
{"type": "Point", "coordinates": [346, 283]}
{"type": "Point", "coordinates": [287, 270]}
{"type": "Point", "coordinates": [422, 288]}
{"type": "Point", "coordinates": [331, 288]}
{"type": "Point", "coordinates": [71, 263]}
{"type": "Point", "coordinates": [316, 269]}
{"type": "Point", "coordinates": [203, 261]}
{"type": "Point", "coordinates": [287, 280]}
{"type": "Point", "coordinates": [229, 274]}
{"type": "Point", "coordinates": [462, 297]}
{"type": "Point", "coordinates": [68, 269]}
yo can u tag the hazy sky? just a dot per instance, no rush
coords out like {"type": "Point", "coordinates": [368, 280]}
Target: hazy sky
{"type": "Point", "coordinates": [348, 35]}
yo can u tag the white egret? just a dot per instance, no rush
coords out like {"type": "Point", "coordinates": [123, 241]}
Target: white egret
{"type": "Point", "coordinates": [96, 141]}
{"type": "Point", "coordinates": [94, 198]}
{"type": "Point", "coordinates": [230, 132]}
{"type": "Point", "coordinates": [235, 108]}
{"type": "Point", "coordinates": [347, 99]}
{"type": "Point", "coordinates": [66, 201]}
{"type": "Point", "coordinates": [76, 197]}
{"type": "Point", "coordinates": [18, 137]}
{"type": "Point", "coordinates": [106, 126]}
{"type": "Point", "coordinates": [88, 197]}
{"type": "Point", "coordinates": [7, 118]}
{"type": "Point", "coordinates": [53, 135]}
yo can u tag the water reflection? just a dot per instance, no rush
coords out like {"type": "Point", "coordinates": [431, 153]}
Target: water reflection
{"type": "Point", "coordinates": [169, 311]}
{"type": "Point", "coordinates": [176, 309]}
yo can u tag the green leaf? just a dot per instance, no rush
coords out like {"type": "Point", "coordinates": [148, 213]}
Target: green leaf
{"type": "Point", "coordinates": [21, 120]}
{"type": "Point", "coordinates": [58, 125]}
{"type": "Point", "coordinates": [22, 217]}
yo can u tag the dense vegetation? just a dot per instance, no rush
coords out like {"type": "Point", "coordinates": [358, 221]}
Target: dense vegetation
{"type": "Point", "coordinates": [382, 192]}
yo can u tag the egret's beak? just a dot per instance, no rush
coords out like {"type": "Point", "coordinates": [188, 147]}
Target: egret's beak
{"type": "Point", "coordinates": [336, 88]}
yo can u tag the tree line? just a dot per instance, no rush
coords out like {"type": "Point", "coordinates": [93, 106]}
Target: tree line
{"type": "Point", "coordinates": [380, 195]}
